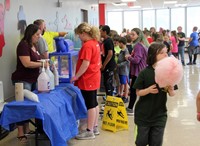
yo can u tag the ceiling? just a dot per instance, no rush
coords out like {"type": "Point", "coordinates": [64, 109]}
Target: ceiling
{"type": "Point", "coordinates": [148, 4]}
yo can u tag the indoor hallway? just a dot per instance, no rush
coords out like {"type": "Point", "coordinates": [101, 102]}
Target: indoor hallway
{"type": "Point", "coordinates": [182, 127]}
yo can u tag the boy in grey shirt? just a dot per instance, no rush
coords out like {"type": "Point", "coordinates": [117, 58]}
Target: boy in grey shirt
{"type": "Point", "coordinates": [123, 69]}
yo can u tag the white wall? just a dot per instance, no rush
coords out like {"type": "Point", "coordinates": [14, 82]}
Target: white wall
{"type": "Point", "coordinates": [69, 13]}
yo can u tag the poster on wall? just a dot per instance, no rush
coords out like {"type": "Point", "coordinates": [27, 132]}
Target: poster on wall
{"type": "Point", "coordinates": [21, 21]}
{"type": "Point", "coordinates": [67, 24]}
{"type": "Point", "coordinates": [54, 24]}
{"type": "Point", "coordinates": [3, 8]}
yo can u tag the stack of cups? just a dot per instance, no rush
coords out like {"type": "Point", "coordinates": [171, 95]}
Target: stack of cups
{"type": "Point", "coordinates": [19, 91]}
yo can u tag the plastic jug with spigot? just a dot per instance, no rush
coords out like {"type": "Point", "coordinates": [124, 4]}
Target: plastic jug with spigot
{"type": "Point", "coordinates": [51, 77]}
{"type": "Point", "coordinates": [43, 80]}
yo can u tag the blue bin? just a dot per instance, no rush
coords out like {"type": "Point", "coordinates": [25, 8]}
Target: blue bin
{"type": "Point", "coordinates": [63, 45]}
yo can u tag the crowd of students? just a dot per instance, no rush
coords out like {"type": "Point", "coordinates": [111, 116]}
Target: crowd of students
{"type": "Point", "coordinates": [127, 65]}
{"type": "Point", "coordinates": [126, 62]}
{"type": "Point", "coordinates": [125, 59]}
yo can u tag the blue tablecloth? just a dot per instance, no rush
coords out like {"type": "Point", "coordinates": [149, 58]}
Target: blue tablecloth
{"type": "Point", "coordinates": [58, 111]}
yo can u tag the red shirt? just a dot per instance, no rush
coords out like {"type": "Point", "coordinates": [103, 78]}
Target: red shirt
{"type": "Point", "coordinates": [150, 40]}
{"type": "Point", "coordinates": [90, 80]}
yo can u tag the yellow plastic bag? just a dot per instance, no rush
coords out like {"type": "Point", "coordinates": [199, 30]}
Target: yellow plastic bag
{"type": "Point", "coordinates": [115, 116]}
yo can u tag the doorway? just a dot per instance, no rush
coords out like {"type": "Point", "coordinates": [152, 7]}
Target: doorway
{"type": "Point", "coordinates": [84, 15]}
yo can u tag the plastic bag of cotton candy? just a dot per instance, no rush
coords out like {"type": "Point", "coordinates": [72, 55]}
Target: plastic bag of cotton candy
{"type": "Point", "coordinates": [168, 72]}
{"type": "Point", "coordinates": [31, 96]}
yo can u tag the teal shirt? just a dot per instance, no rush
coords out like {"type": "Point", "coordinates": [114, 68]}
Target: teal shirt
{"type": "Point", "coordinates": [150, 110]}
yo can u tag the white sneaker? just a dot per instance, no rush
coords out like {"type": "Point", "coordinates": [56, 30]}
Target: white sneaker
{"type": "Point", "coordinates": [96, 130]}
{"type": "Point", "coordinates": [103, 107]}
{"type": "Point", "coordinates": [85, 135]}
{"type": "Point", "coordinates": [129, 111]}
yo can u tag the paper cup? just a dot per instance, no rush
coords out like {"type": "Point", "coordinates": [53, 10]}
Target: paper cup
{"type": "Point", "coordinates": [19, 91]}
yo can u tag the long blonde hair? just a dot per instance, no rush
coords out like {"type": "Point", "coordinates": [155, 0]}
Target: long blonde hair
{"type": "Point", "coordinates": [92, 31]}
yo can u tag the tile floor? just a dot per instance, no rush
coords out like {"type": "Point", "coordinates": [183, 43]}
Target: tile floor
{"type": "Point", "coordinates": [182, 127]}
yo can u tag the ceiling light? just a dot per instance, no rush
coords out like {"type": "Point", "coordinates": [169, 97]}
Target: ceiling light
{"type": "Point", "coordinates": [135, 7]}
{"type": "Point", "coordinates": [119, 4]}
{"type": "Point", "coordinates": [170, 2]}
{"type": "Point", "coordinates": [180, 5]}
{"type": "Point", "coordinates": [128, 0]}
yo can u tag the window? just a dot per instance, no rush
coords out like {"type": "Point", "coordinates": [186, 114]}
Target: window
{"type": "Point", "coordinates": [162, 19]}
{"type": "Point", "coordinates": [114, 21]}
{"type": "Point", "coordinates": [178, 13]}
{"type": "Point", "coordinates": [171, 18]}
{"type": "Point", "coordinates": [148, 19]}
{"type": "Point", "coordinates": [131, 19]}
{"type": "Point", "coordinates": [192, 19]}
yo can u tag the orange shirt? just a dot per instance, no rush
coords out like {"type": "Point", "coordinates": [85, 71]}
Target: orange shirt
{"type": "Point", "coordinates": [90, 80]}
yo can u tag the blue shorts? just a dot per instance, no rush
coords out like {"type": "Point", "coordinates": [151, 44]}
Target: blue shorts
{"type": "Point", "coordinates": [123, 79]}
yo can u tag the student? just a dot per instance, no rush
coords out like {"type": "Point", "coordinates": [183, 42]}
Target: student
{"type": "Point", "coordinates": [123, 34]}
{"type": "Point", "coordinates": [152, 31]}
{"type": "Point", "coordinates": [117, 51]}
{"type": "Point", "coordinates": [151, 110]}
{"type": "Point", "coordinates": [108, 60]}
{"type": "Point", "coordinates": [123, 69]}
{"type": "Point", "coordinates": [181, 44]}
{"type": "Point", "coordinates": [174, 40]}
{"type": "Point", "coordinates": [137, 62]}
{"type": "Point", "coordinates": [129, 43]}
{"type": "Point", "coordinates": [130, 49]}
{"type": "Point", "coordinates": [88, 75]}
{"type": "Point", "coordinates": [148, 36]}
{"type": "Point", "coordinates": [167, 43]}
{"type": "Point", "coordinates": [193, 44]}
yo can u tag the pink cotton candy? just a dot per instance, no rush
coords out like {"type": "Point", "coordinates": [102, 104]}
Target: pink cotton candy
{"type": "Point", "coordinates": [168, 71]}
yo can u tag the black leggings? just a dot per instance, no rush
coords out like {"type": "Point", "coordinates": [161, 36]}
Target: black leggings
{"type": "Point", "coordinates": [133, 95]}
{"type": "Point", "coordinates": [194, 60]}
{"type": "Point", "coordinates": [108, 81]}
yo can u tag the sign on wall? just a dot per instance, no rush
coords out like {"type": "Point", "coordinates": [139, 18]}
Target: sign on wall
{"type": "Point", "coordinates": [3, 8]}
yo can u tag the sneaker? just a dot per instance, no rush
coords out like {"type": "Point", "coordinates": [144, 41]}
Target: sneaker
{"type": "Point", "coordinates": [96, 130]}
{"type": "Point", "coordinates": [125, 100]}
{"type": "Point", "coordinates": [103, 107]}
{"type": "Point", "coordinates": [117, 95]}
{"type": "Point", "coordinates": [22, 139]}
{"type": "Point", "coordinates": [29, 133]}
{"type": "Point", "coordinates": [103, 102]}
{"type": "Point", "coordinates": [189, 63]}
{"type": "Point", "coordinates": [129, 111]}
{"type": "Point", "coordinates": [85, 135]}
{"type": "Point", "coordinates": [104, 98]}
